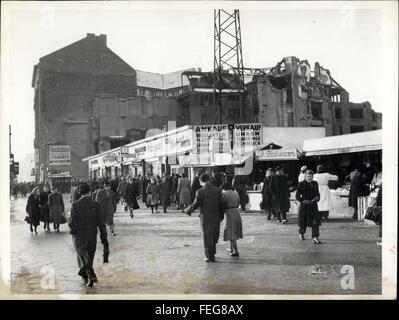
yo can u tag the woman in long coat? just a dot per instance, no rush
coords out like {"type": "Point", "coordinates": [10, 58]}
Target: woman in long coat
{"type": "Point", "coordinates": [322, 178]}
{"type": "Point", "coordinates": [33, 208]}
{"type": "Point", "coordinates": [130, 196]}
{"type": "Point", "coordinates": [153, 195]}
{"type": "Point", "coordinates": [233, 222]}
{"type": "Point", "coordinates": [57, 207]}
{"type": "Point", "coordinates": [44, 209]}
{"type": "Point", "coordinates": [268, 196]}
{"type": "Point", "coordinates": [183, 191]}
{"type": "Point", "coordinates": [164, 193]}
{"type": "Point", "coordinates": [308, 215]}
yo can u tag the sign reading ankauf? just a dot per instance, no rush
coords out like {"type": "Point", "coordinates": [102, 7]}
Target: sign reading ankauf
{"type": "Point", "coordinates": [59, 155]}
{"type": "Point", "coordinates": [206, 137]}
{"type": "Point", "coordinates": [277, 154]}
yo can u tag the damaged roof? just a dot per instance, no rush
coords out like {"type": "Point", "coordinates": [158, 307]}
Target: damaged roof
{"type": "Point", "coordinates": [161, 81]}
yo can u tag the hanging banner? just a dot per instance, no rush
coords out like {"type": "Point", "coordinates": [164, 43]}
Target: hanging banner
{"type": "Point", "coordinates": [59, 155]}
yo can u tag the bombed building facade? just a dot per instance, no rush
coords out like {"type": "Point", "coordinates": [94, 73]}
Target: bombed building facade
{"type": "Point", "coordinates": [88, 100]}
{"type": "Point", "coordinates": [291, 94]}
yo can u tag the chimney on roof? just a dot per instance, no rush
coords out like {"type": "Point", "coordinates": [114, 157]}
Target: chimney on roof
{"type": "Point", "coordinates": [96, 41]}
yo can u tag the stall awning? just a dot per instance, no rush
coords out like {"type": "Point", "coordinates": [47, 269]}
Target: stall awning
{"type": "Point", "coordinates": [347, 143]}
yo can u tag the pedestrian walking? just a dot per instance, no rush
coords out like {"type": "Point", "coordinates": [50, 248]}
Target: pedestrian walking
{"type": "Point", "coordinates": [280, 188]}
{"type": "Point", "coordinates": [164, 193]}
{"type": "Point", "coordinates": [15, 190]}
{"type": "Point", "coordinates": [322, 178]}
{"type": "Point", "coordinates": [153, 195]}
{"type": "Point", "coordinates": [232, 223]}
{"type": "Point", "coordinates": [194, 187]}
{"type": "Point", "coordinates": [130, 196]}
{"type": "Point", "coordinates": [107, 199]}
{"type": "Point", "coordinates": [33, 209]}
{"type": "Point", "coordinates": [308, 216]}
{"type": "Point", "coordinates": [209, 200]}
{"type": "Point", "coordinates": [268, 197]}
{"type": "Point", "coordinates": [121, 189]}
{"type": "Point", "coordinates": [57, 208]}
{"type": "Point", "coordinates": [378, 203]}
{"type": "Point", "coordinates": [74, 192]}
{"type": "Point", "coordinates": [240, 185]}
{"type": "Point", "coordinates": [86, 218]}
{"type": "Point", "coordinates": [44, 208]}
{"type": "Point", "coordinates": [183, 192]}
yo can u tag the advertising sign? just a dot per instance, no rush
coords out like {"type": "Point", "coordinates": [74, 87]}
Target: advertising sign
{"type": "Point", "coordinates": [179, 142]}
{"type": "Point", "coordinates": [206, 137]}
{"type": "Point", "coordinates": [247, 138]}
{"type": "Point", "coordinates": [277, 154]}
{"type": "Point", "coordinates": [59, 155]}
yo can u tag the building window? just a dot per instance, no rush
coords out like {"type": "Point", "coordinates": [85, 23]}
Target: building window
{"type": "Point", "coordinates": [316, 110]}
{"type": "Point", "coordinates": [355, 129]}
{"type": "Point", "coordinates": [356, 113]}
{"type": "Point", "coordinates": [338, 113]}
{"type": "Point", "coordinates": [340, 130]}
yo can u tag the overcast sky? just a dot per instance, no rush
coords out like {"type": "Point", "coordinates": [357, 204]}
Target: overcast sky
{"type": "Point", "coordinates": [346, 38]}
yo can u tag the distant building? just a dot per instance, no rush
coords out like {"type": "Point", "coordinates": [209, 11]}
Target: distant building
{"type": "Point", "coordinates": [66, 84]}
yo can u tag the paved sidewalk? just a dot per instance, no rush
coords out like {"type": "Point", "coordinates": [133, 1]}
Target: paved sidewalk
{"type": "Point", "coordinates": [163, 254]}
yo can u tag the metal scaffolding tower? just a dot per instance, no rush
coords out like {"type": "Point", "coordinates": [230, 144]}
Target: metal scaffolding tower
{"type": "Point", "coordinates": [228, 58]}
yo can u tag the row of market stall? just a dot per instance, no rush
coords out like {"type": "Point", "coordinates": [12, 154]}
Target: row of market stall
{"type": "Point", "coordinates": [241, 149]}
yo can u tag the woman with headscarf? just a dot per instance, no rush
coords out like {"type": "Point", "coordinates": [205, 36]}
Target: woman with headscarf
{"type": "Point", "coordinates": [33, 209]}
{"type": "Point", "coordinates": [322, 178]}
{"type": "Point", "coordinates": [233, 222]}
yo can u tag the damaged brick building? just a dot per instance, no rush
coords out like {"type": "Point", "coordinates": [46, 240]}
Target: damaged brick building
{"type": "Point", "coordinates": [291, 94]}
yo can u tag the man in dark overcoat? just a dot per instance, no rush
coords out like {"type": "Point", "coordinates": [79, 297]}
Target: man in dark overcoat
{"type": "Point", "coordinates": [86, 218]}
{"type": "Point", "coordinates": [131, 194]}
{"type": "Point", "coordinates": [308, 215]}
{"type": "Point", "coordinates": [280, 189]}
{"type": "Point", "coordinates": [209, 200]}
{"type": "Point", "coordinates": [107, 199]}
{"type": "Point", "coordinates": [44, 208]}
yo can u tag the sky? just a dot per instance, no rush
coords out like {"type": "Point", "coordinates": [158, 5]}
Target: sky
{"type": "Point", "coordinates": [347, 38]}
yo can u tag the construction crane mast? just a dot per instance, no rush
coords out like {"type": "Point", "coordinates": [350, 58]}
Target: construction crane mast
{"type": "Point", "coordinates": [228, 59]}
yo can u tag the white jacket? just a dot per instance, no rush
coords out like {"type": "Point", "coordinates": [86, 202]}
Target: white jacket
{"type": "Point", "coordinates": [322, 179]}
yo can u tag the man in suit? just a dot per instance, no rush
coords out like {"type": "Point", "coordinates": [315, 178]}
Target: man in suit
{"type": "Point", "coordinates": [86, 218]}
{"type": "Point", "coordinates": [209, 200]}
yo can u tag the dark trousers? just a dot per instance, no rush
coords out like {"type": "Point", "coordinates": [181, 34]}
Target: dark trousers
{"type": "Point", "coordinates": [210, 252]}
{"type": "Point", "coordinates": [324, 214]}
{"type": "Point", "coordinates": [269, 212]}
{"type": "Point", "coordinates": [85, 259]}
{"type": "Point", "coordinates": [315, 230]}
{"type": "Point", "coordinates": [281, 215]}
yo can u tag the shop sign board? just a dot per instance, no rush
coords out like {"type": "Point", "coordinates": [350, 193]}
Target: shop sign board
{"type": "Point", "coordinates": [247, 137]}
{"type": "Point", "coordinates": [155, 148]}
{"type": "Point", "coordinates": [59, 155]}
{"type": "Point", "coordinates": [208, 140]}
{"type": "Point", "coordinates": [179, 142]}
{"type": "Point", "coordinates": [277, 154]}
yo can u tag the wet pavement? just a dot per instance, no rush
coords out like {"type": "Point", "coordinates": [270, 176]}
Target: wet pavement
{"type": "Point", "coordinates": [163, 254]}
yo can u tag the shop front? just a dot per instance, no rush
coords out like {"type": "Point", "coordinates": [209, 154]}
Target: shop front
{"type": "Point", "coordinates": [341, 155]}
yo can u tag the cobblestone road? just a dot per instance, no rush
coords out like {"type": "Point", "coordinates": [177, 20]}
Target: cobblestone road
{"type": "Point", "coordinates": [163, 254]}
